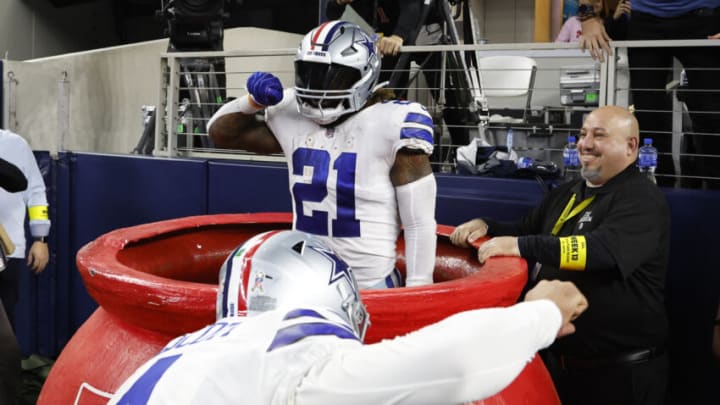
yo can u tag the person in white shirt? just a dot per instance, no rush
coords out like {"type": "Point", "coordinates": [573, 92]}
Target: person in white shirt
{"type": "Point", "coordinates": [13, 208]}
{"type": "Point", "coordinates": [359, 168]}
{"type": "Point", "coordinates": [300, 341]}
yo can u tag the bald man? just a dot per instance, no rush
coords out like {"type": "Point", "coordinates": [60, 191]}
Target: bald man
{"type": "Point", "coordinates": [609, 234]}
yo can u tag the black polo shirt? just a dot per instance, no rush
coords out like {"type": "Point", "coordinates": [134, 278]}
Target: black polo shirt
{"type": "Point", "coordinates": [626, 229]}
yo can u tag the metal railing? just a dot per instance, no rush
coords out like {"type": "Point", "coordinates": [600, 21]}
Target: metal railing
{"type": "Point", "coordinates": [554, 112]}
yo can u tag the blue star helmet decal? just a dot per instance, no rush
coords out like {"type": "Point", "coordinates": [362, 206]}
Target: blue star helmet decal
{"type": "Point", "coordinates": [370, 45]}
{"type": "Point", "coordinates": [340, 269]}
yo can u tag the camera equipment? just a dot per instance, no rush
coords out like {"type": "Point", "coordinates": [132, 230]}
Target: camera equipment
{"type": "Point", "coordinates": [195, 25]}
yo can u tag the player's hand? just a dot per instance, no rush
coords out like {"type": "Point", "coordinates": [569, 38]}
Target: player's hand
{"type": "Point", "coordinates": [595, 39]}
{"type": "Point", "coordinates": [716, 36]}
{"type": "Point", "coordinates": [265, 88]}
{"type": "Point", "coordinates": [470, 231]}
{"type": "Point", "coordinates": [498, 246]}
{"type": "Point", "coordinates": [623, 7]}
{"type": "Point", "coordinates": [38, 257]}
{"type": "Point", "coordinates": [390, 45]}
{"type": "Point", "coordinates": [566, 296]}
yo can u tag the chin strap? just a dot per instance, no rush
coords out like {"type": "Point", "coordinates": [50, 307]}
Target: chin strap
{"type": "Point", "coordinates": [416, 203]}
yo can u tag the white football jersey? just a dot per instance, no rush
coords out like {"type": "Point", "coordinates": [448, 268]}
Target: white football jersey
{"type": "Point", "coordinates": [309, 357]}
{"type": "Point", "coordinates": [340, 177]}
{"type": "Point", "coordinates": [237, 360]}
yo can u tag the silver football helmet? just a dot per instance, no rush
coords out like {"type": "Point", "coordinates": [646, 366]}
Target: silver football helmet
{"type": "Point", "coordinates": [336, 69]}
{"type": "Point", "coordinates": [293, 270]}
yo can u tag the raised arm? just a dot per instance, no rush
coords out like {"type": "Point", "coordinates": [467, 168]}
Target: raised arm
{"type": "Point", "coordinates": [236, 126]}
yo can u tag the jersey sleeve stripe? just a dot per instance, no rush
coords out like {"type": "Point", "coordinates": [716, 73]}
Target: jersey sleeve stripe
{"type": "Point", "coordinates": [297, 313]}
{"type": "Point", "coordinates": [419, 118]}
{"type": "Point", "coordinates": [417, 133]}
{"type": "Point", "coordinates": [291, 334]}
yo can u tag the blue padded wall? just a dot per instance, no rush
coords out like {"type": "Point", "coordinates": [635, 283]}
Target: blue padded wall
{"type": "Point", "coordinates": [693, 294]}
{"type": "Point", "coordinates": [239, 187]}
{"type": "Point", "coordinates": [461, 198]}
{"type": "Point", "coordinates": [110, 192]}
{"type": "Point", "coordinates": [36, 313]}
{"type": "Point", "coordinates": [90, 195]}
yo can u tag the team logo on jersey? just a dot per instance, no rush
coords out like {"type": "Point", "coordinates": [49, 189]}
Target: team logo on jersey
{"type": "Point", "coordinates": [586, 217]}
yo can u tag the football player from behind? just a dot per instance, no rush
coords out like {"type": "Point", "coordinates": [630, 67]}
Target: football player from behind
{"type": "Point", "coordinates": [359, 165]}
{"type": "Point", "coordinates": [300, 341]}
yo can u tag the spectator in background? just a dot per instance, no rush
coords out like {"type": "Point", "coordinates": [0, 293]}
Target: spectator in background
{"type": "Point", "coordinates": [398, 23]}
{"type": "Point", "coordinates": [609, 234]}
{"type": "Point", "coordinates": [649, 74]}
{"type": "Point", "coordinates": [13, 207]}
{"type": "Point", "coordinates": [11, 180]}
{"type": "Point", "coordinates": [615, 20]}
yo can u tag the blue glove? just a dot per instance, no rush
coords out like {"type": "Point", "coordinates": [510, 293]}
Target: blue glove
{"type": "Point", "coordinates": [265, 88]}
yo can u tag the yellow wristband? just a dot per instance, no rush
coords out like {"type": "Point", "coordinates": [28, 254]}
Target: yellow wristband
{"type": "Point", "coordinates": [573, 253]}
{"type": "Point", "coordinates": [38, 212]}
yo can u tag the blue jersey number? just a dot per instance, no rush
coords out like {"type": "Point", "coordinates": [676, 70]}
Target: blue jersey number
{"type": "Point", "coordinates": [345, 224]}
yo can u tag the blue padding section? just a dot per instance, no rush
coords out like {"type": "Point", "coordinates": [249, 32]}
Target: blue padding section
{"type": "Point", "coordinates": [462, 198]}
{"type": "Point", "coordinates": [240, 187]}
{"type": "Point", "coordinates": [36, 313]}
{"type": "Point", "coordinates": [115, 191]}
{"type": "Point", "coordinates": [693, 293]}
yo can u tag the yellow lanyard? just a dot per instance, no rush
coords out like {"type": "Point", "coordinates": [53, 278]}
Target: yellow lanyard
{"type": "Point", "coordinates": [570, 212]}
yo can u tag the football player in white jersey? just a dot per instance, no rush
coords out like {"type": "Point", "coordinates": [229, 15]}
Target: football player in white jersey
{"type": "Point", "coordinates": [300, 341]}
{"type": "Point", "coordinates": [358, 169]}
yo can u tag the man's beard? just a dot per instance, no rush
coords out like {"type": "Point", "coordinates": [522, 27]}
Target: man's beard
{"type": "Point", "coordinates": [590, 175]}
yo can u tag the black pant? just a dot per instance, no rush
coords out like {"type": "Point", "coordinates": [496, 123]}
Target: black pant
{"type": "Point", "coordinates": [641, 383]}
{"type": "Point", "coordinates": [650, 70]}
{"type": "Point", "coordinates": [10, 370]}
{"type": "Point", "coordinates": [10, 285]}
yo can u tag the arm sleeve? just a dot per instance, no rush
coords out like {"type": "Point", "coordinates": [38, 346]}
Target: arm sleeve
{"type": "Point", "coordinates": [12, 179]}
{"type": "Point", "coordinates": [416, 203]}
{"type": "Point", "coordinates": [468, 356]}
{"type": "Point", "coordinates": [546, 250]}
{"type": "Point", "coordinates": [35, 197]}
{"type": "Point", "coordinates": [627, 237]}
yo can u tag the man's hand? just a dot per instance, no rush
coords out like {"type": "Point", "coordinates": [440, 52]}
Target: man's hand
{"type": "Point", "coordinates": [38, 257]}
{"type": "Point", "coordinates": [566, 296]}
{"type": "Point", "coordinates": [390, 45]}
{"type": "Point", "coordinates": [498, 246]}
{"type": "Point", "coordinates": [265, 88]}
{"type": "Point", "coordinates": [595, 39]}
{"type": "Point", "coordinates": [716, 36]}
{"type": "Point", "coordinates": [470, 231]}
